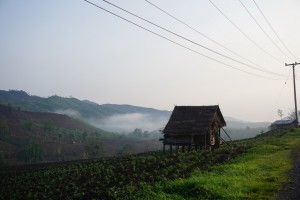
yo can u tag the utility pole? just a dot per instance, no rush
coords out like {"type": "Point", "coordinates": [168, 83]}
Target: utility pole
{"type": "Point", "coordinates": [295, 97]}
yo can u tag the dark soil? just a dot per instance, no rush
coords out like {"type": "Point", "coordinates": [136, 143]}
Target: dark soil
{"type": "Point", "coordinates": [291, 190]}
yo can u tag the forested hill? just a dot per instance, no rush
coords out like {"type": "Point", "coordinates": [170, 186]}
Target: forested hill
{"type": "Point", "coordinates": [73, 107]}
{"type": "Point", "coordinates": [113, 117]}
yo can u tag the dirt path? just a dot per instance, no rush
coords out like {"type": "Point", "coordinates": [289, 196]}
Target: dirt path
{"type": "Point", "coordinates": [291, 190]}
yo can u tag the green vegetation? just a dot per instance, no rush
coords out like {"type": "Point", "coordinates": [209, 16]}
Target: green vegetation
{"type": "Point", "coordinates": [48, 126]}
{"type": "Point", "coordinates": [69, 106]}
{"type": "Point", "coordinates": [61, 138]}
{"type": "Point", "coordinates": [31, 153]}
{"type": "Point", "coordinates": [258, 174]}
{"type": "Point", "coordinates": [127, 149]}
{"type": "Point", "coordinates": [2, 162]}
{"type": "Point", "coordinates": [253, 169]}
{"type": "Point", "coordinates": [4, 127]}
{"type": "Point", "coordinates": [138, 133]}
{"type": "Point", "coordinates": [110, 178]}
{"type": "Point", "coordinates": [56, 137]}
{"type": "Point", "coordinates": [28, 124]}
{"type": "Point", "coordinates": [94, 149]}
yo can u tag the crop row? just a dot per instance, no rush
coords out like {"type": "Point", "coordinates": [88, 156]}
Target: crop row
{"type": "Point", "coordinates": [111, 178]}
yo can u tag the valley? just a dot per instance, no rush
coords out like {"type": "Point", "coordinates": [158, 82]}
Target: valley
{"type": "Point", "coordinates": [62, 129]}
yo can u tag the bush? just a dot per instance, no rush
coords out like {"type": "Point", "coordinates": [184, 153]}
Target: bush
{"type": "Point", "coordinates": [31, 153]}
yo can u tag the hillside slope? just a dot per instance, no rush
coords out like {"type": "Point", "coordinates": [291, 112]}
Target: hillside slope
{"type": "Point", "coordinates": [38, 136]}
{"type": "Point", "coordinates": [90, 112]}
{"type": "Point", "coordinates": [113, 117]}
{"type": "Point", "coordinates": [84, 108]}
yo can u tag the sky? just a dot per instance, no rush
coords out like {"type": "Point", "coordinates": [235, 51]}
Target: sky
{"type": "Point", "coordinates": [72, 48]}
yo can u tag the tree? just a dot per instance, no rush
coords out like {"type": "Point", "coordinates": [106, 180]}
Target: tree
{"type": "Point", "coordinates": [94, 148]}
{"type": "Point", "coordinates": [2, 162]}
{"type": "Point", "coordinates": [4, 127]}
{"type": "Point", "coordinates": [10, 108]}
{"type": "Point", "coordinates": [28, 124]}
{"type": "Point", "coordinates": [31, 153]}
{"type": "Point", "coordinates": [138, 132]}
{"type": "Point", "coordinates": [48, 126]}
{"type": "Point", "coordinates": [127, 149]}
{"type": "Point", "coordinates": [84, 135]}
{"type": "Point", "coordinates": [59, 153]}
{"type": "Point", "coordinates": [292, 115]}
{"type": "Point", "coordinates": [280, 113]}
{"type": "Point", "coordinates": [59, 136]}
{"type": "Point", "coordinates": [72, 137]}
{"type": "Point", "coordinates": [146, 134]}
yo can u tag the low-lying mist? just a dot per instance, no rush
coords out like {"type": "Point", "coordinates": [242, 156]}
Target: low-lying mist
{"type": "Point", "coordinates": [127, 123]}
{"type": "Point", "coordinates": [69, 112]}
{"type": "Point", "coordinates": [124, 123]}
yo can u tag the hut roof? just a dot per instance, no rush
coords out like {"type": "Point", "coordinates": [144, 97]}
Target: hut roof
{"type": "Point", "coordinates": [192, 119]}
{"type": "Point", "coordinates": [284, 122]}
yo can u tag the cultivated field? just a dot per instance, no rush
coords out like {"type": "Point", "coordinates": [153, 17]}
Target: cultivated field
{"type": "Point", "coordinates": [253, 169]}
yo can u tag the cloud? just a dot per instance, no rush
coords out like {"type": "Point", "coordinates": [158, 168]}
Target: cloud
{"type": "Point", "coordinates": [122, 122]}
{"type": "Point", "coordinates": [69, 112]}
{"type": "Point", "coordinates": [128, 122]}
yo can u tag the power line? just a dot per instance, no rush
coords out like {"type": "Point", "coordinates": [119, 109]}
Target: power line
{"type": "Point", "coordinates": [191, 41]}
{"type": "Point", "coordinates": [267, 35]}
{"type": "Point", "coordinates": [274, 30]}
{"type": "Point", "coordinates": [174, 42]}
{"type": "Point", "coordinates": [187, 25]}
{"type": "Point", "coordinates": [212, 40]}
{"type": "Point", "coordinates": [279, 96]}
{"type": "Point", "coordinates": [249, 38]}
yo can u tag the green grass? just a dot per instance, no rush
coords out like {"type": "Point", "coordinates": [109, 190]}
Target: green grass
{"type": "Point", "coordinates": [257, 174]}
{"type": "Point", "coordinates": [106, 178]}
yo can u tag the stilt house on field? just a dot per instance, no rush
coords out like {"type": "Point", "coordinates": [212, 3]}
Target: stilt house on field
{"type": "Point", "coordinates": [194, 126]}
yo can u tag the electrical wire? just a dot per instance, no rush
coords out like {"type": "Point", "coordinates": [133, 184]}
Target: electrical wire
{"type": "Point", "coordinates": [191, 41]}
{"type": "Point", "coordinates": [212, 40]}
{"type": "Point", "coordinates": [248, 37]}
{"type": "Point", "coordinates": [279, 96]}
{"type": "Point", "coordinates": [260, 27]}
{"type": "Point", "coordinates": [174, 42]}
{"type": "Point", "coordinates": [273, 29]}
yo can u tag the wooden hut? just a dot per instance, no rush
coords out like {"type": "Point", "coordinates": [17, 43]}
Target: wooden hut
{"type": "Point", "coordinates": [194, 126]}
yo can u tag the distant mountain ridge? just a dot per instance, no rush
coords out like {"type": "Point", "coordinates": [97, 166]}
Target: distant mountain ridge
{"type": "Point", "coordinates": [84, 108]}
{"type": "Point", "coordinates": [110, 117]}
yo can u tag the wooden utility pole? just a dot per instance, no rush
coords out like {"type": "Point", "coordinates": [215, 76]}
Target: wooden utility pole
{"type": "Point", "coordinates": [295, 97]}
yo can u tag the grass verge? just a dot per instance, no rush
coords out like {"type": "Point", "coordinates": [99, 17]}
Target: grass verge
{"type": "Point", "coordinates": [257, 174]}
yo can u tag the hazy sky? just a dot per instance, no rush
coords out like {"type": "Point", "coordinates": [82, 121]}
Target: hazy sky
{"type": "Point", "coordinates": [71, 48]}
